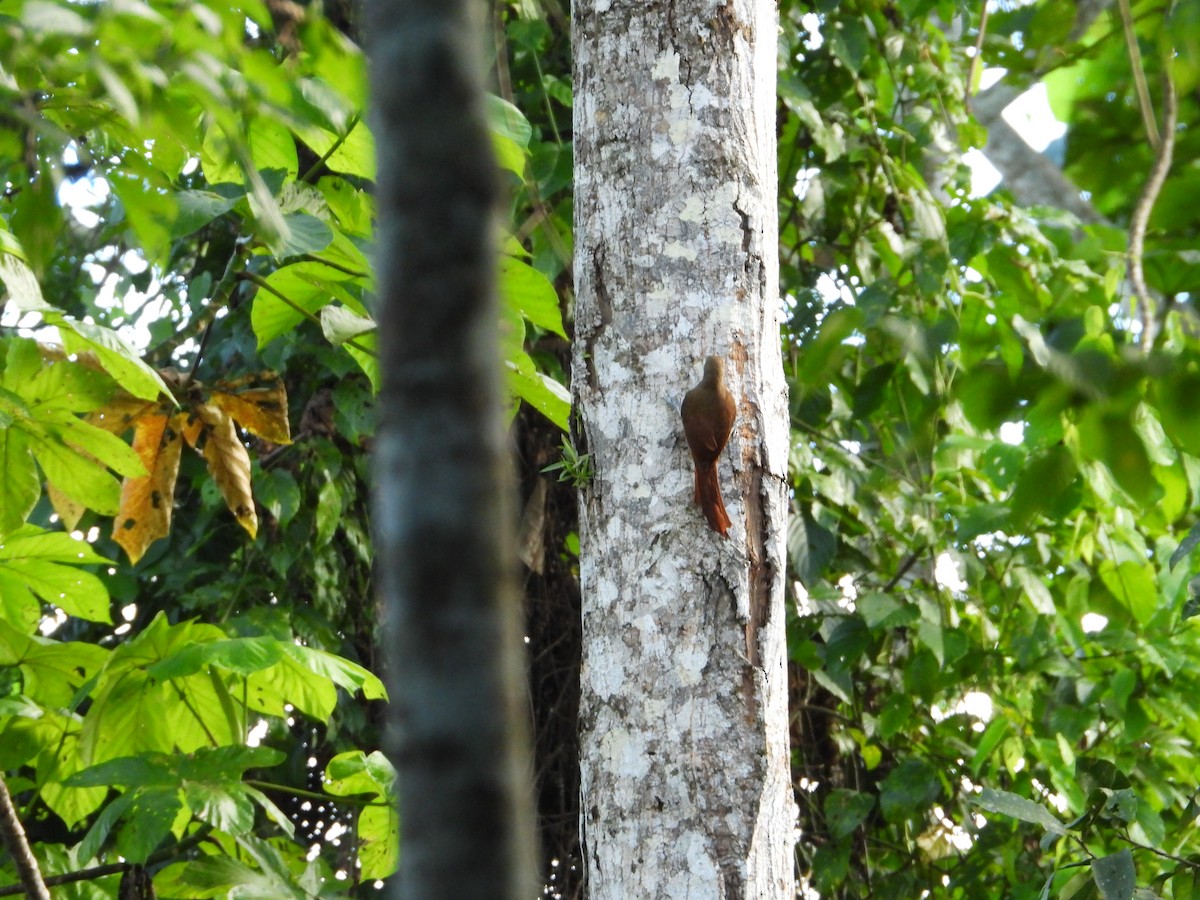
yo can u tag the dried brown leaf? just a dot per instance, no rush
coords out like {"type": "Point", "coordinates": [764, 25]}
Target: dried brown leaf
{"type": "Point", "coordinates": [214, 436]}
{"type": "Point", "coordinates": [257, 403]}
{"type": "Point", "coordinates": [145, 514]}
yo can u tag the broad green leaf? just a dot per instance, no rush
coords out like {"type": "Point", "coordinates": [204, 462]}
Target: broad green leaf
{"type": "Point", "coordinates": [130, 713]}
{"type": "Point", "coordinates": [21, 283]}
{"type": "Point", "coordinates": [364, 350]}
{"type": "Point", "coordinates": [98, 834]}
{"type": "Point", "coordinates": [379, 841]}
{"type": "Point", "coordinates": [845, 810]}
{"type": "Point", "coordinates": [355, 772]}
{"type": "Point", "coordinates": [1133, 584]}
{"type": "Point", "coordinates": [540, 391]}
{"type": "Point", "coordinates": [354, 153]}
{"type": "Point", "coordinates": [69, 386]}
{"type": "Point", "coordinates": [198, 208]}
{"type": "Point", "coordinates": [272, 147]}
{"type": "Point", "coordinates": [20, 486]}
{"type": "Point", "coordinates": [226, 808]}
{"type": "Point", "coordinates": [81, 479]}
{"type": "Point", "coordinates": [144, 770]}
{"type": "Point", "coordinates": [505, 119]}
{"type": "Point", "coordinates": [287, 682]}
{"type": "Point", "coordinates": [52, 670]}
{"type": "Point", "coordinates": [329, 511]}
{"type": "Point", "coordinates": [99, 443]}
{"type": "Point", "coordinates": [1109, 437]}
{"type": "Point", "coordinates": [1007, 803]}
{"type": "Point", "coordinates": [114, 354]}
{"type": "Point", "coordinates": [340, 324]}
{"type": "Point", "coordinates": [1115, 875]}
{"type": "Point", "coordinates": [294, 292]}
{"type": "Point", "coordinates": [72, 590]}
{"type": "Point", "coordinates": [348, 676]}
{"type": "Point", "coordinates": [908, 789]}
{"type": "Point", "coordinates": [528, 291]}
{"type": "Point", "coordinates": [305, 234]}
{"type": "Point", "coordinates": [147, 823]}
{"type": "Point", "coordinates": [239, 655]}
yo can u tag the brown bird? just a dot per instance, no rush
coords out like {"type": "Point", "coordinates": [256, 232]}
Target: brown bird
{"type": "Point", "coordinates": [708, 412]}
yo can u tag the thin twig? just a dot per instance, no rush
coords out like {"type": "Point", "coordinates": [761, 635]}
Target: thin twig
{"type": "Point", "coordinates": [13, 835]}
{"type": "Point", "coordinates": [977, 59]}
{"type": "Point", "coordinates": [103, 871]}
{"type": "Point", "coordinates": [316, 167]}
{"type": "Point", "coordinates": [1145, 205]}
{"type": "Point", "coordinates": [1139, 73]}
{"type": "Point", "coordinates": [311, 316]}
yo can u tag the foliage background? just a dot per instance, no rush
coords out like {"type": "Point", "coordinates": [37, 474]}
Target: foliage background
{"type": "Point", "coordinates": [985, 449]}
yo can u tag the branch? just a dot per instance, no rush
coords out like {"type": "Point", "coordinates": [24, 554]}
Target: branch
{"type": "Point", "coordinates": [17, 844]}
{"type": "Point", "coordinates": [103, 871]}
{"type": "Point", "coordinates": [311, 316]}
{"type": "Point", "coordinates": [1029, 175]}
{"type": "Point", "coordinates": [1145, 205]}
{"type": "Point", "coordinates": [317, 166]}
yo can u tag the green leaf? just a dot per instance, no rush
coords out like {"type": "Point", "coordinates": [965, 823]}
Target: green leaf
{"type": "Point", "coordinates": [307, 287]}
{"type": "Point", "coordinates": [1109, 436]}
{"type": "Point", "coordinates": [20, 486]}
{"type": "Point", "coordinates": [198, 208]}
{"type": "Point", "coordinates": [1115, 875]}
{"type": "Point", "coordinates": [52, 670]}
{"type": "Point", "coordinates": [845, 810]}
{"type": "Point", "coordinates": [1015, 806]}
{"type": "Point", "coordinates": [228, 810]}
{"type": "Point", "coordinates": [82, 479]}
{"type": "Point", "coordinates": [356, 773]}
{"type": "Point", "coordinates": [305, 234]}
{"type": "Point", "coordinates": [1186, 546]}
{"type": "Point", "coordinates": [530, 293]}
{"type": "Point", "coordinates": [21, 283]}
{"type": "Point", "coordinates": [1133, 584]}
{"type": "Point", "coordinates": [348, 676]}
{"type": "Point", "coordinates": [89, 847]}
{"type": "Point", "coordinates": [329, 512]}
{"type": "Point", "coordinates": [908, 790]}
{"type": "Point", "coordinates": [355, 155]}
{"type": "Point", "coordinates": [147, 823]}
{"type": "Point", "coordinates": [239, 655]}
{"type": "Point", "coordinates": [540, 391]}
{"type": "Point", "coordinates": [340, 324]}
{"type": "Point", "coordinates": [145, 770]}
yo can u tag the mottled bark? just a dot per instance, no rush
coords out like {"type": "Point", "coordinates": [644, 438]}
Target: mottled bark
{"type": "Point", "coordinates": [683, 718]}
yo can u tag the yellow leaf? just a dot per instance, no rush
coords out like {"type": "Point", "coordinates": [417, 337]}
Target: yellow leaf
{"type": "Point", "coordinates": [122, 412]}
{"type": "Point", "coordinates": [215, 437]}
{"type": "Point", "coordinates": [68, 510]}
{"type": "Point", "coordinates": [145, 514]}
{"type": "Point", "coordinates": [258, 403]}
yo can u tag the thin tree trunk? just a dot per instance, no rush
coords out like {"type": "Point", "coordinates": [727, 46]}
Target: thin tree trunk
{"type": "Point", "coordinates": [459, 735]}
{"type": "Point", "coordinates": [683, 719]}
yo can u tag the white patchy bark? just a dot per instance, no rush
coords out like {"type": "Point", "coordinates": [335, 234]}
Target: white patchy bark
{"type": "Point", "coordinates": [684, 741]}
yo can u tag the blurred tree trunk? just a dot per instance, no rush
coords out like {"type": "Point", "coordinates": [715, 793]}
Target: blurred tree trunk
{"type": "Point", "coordinates": [683, 719]}
{"type": "Point", "coordinates": [459, 735]}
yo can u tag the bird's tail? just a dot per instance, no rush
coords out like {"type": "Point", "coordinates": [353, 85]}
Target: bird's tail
{"type": "Point", "coordinates": [708, 495]}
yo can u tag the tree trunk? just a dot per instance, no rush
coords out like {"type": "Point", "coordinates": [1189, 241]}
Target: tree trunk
{"type": "Point", "coordinates": [683, 720]}
{"type": "Point", "coordinates": [442, 517]}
